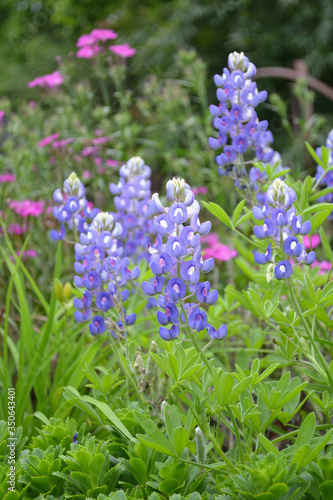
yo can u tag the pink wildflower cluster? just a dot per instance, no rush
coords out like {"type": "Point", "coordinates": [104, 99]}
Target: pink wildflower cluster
{"type": "Point", "coordinates": [26, 208]}
{"type": "Point", "coordinates": [7, 178]}
{"type": "Point", "coordinates": [50, 81]}
{"type": "Point", "coordinates": [93, 43]}
{"type": "Point", "coordinates": [2, 115]}
{"type": "Point", "coordinates": [123, 51]}
{"type": "Point", "coordinates": [24, 254]}
{"type": "Point", "coordinates": [216, 249]}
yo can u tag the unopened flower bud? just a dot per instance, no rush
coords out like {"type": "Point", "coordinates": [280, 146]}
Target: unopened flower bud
{"type": "Point", "coordinates": [103, 222]}
{"type": "Point", "coordinates": [58, 290]}
{"type": "Point", "coordinates": [67, 290]}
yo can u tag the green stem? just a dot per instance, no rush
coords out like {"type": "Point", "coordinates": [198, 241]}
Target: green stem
{"type": "Point", "coordinates": [311, 339]}
{"type": "Point", "coordinates": [236, 432]}
{"type": "Point", "coordinates": [125, 369]}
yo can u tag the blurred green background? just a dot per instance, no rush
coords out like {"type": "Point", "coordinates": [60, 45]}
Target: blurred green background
{"type": "Point", "coordinates": [275, 32]}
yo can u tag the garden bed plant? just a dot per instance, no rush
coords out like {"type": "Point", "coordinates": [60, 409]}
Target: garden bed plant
{"type": "Point", "coordinates": [166, 321]}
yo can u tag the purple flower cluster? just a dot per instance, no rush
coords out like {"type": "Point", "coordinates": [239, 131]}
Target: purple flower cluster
{"type": "Point", "coordinates": [104, 273]}
{"type": "Point", "coordinates": [132, 205]}
{"type": "Point", "coordinates": [284, 228]}
{"type": "Point", "coordinates": [325, 179]}
{"type": "Point", "coordinates": [73, 209]}
{"type": "Point", "coordinates": [236, 120]}
{"type": "Point", "coordinates": [176, 263]}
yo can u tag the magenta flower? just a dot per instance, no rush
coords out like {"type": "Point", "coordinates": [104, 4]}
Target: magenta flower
{"type": "Point", "coordinates": [88, 51]}
{"type": "Point", "coordinates": [2, 114]}
{"type": "Point", "coordinates": [7, 178]}
{"type": "Point", "coordinates": [26, 208]}
{"type": "Point", "coordinates": [89, 151]}
{"type": "Point", "coordinates": [100, 140]}
{"type": "Point", "coordinates": [102, 34]}
{"type": "Point", "coordinates": [87, 39]}
{"type": "Point", "coordinates": [50, 81]}
{"type": "Point", "coordinates": [315, 239]}
{"type": "Point", "coordinates": [199, 190]}
{"type": "Point", "coordinates": [112, 163]}
{"type": "Point", "coordinates": [47, 140]}
{"type": "Point", "coordinates": [219, 252]}
{"type": "Point", "coordinates": [210, 239]}
{"type": "Point", "coordinates": [63, 143]}
{"type": "Point", "coordinates": [123, 51]}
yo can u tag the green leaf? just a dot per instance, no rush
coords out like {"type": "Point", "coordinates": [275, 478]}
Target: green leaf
{"type": "Point", "coordinates": [306, 431]}
{"type": "Point", "coordinates": [237, 212]}
{"type": "Point", "coordinates": [267, 445]}
{"type": "Point", "coordinates": [224, 387]}
{"type": "Point", "coordinates": [163, 365]}
{"type": "Point", "coordinates": [326, 243]}
{"type": "Point", "coordinates": [314, 155]}
{"type": "Point", "coordinates": [218, 212]}
{"type": "Point", "coordinates": [238, 389]}
{"type": "Point", "coordinates": [110, 415]}
{"type": "Point", "coordinates": [156, 445]}
{"type": "Point", "coordinates": [153, 431]}
{"type": "Point", "coordinates": [180, 437]}
{"type": "Point", "coordinates": [171, 419]}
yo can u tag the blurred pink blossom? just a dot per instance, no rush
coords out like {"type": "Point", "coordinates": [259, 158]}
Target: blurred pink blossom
{"type": "Point", "coordinates": [62, 143]}
{"type": "Point", "coordinates": [2, 114]}
{"type": "Point", "coordinates": [112, 163]}
{"type": "Point", "coordinates": [88, 52]}
{"type": "Point", "coordinates": [103, 34]}
{"type": "Point", "coordinates": [47, 140]}
{"type": "Point", "coordinates": [98, 160]}
{"type": "Point", "coordinates": [315, 239]}
{"type": "Point", "coordinates": [324, 266]}
{"type": "Point", "coordinates": [17, 229]}
{"type": "Point", "coordinates": [27, 207]}
{"type": "Point", "coordinates": [122, 50]}
{"type": "Point", "coordinates": [86, 174]}
{"type": "Point", "coordinates": [101, 170]}
{"type": "Point", "coordinates": [210, 239]}
{"type": "Point", "coordinates": [25, 253]}
{"type": "Point", "coordinates": [89, 151]}
{"type": "Point", "coordinates": [100, 140]}
{"type": "Point", "coordinates": [7, 178]}
{"type": "Point", "coordinates": [48, 81]}
{"type": "Point", "coordinates": [199, 190]}
{"type": "Point", "coordinates": [219, 252]}
{"type": "Point", "coordinates": [32, 104]}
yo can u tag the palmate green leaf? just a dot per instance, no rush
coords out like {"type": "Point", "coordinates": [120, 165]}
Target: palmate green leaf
{"type": "Point", "coordinates": [218, 212]}
{"type": "Point", "coordinates": [156, 445]}
{"type": "Point", "coordinates": [238, 390]}
{"type": "Point", "coordinates": [224, 387]}
{"type": "Point", "coordinates": [110, 416]}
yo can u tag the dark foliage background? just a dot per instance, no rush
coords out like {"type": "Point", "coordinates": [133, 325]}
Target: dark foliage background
{"type": "Point", "coordinates": [33, 32]}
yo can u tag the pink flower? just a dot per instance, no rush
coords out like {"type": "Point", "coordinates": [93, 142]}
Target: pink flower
{"type": "Point", "coordinates": [219, 252]}
{"type": "Point", "coordinates": [25, 253]}
{"type": "Point", "coordinates": [101, 170]}
{"type": "Point", "coordinates": [100, 140]}
{"type": "Point", "coordinates": [2, 114]}
{"type": "Point", "coordinates": [99, 131]}
{"type": "Point", "coordinates": [104, 34]}
{"type": "Point", "coordinates": [27, 207]}
{"type": "Point", "coordinates": [62, 143]}
{"type": "Point", "coordinates": [123, 50]}
{"type": "Point", "coordinates": [88, 51]}
{"type": "Point", "coordinates": [47, 140]}
{"type": "Point", "coordinates": [98, 160]}
{"type": "Point", "coordinates": [17, 229]}
{"type": "Point", "coordinates": [48, 81]}
{"type": "Point", "coordinates": [84, 40]}
{"type": "Point", "coordinates": [324, 266]}
{"type": "Point", "coordinates": [7, 178]}
{"type": "Point", "coordinates": [32, 104]}
{"type": "Point", "coordinates": [112, 163]}
{"type": "Point", "coordinates": [86, 174]}
{"type": "Point", "coordinates": [315, 238]}
{"type": "Point", "coordinates": [210, 239]}
{"type": "Point", "coordinates": [199, 190]}
{"type": "Point", "coordinates": [89, 151]}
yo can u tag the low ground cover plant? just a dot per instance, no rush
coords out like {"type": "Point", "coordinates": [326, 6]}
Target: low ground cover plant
{"type": "Point", "coordinates": [151, 356]}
